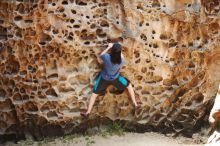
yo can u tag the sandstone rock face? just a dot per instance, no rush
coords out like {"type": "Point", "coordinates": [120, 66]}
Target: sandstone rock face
{"type": "Point", "coordinates": [49, 57]}
{"type": "Point", "coordinates": [214, 119]}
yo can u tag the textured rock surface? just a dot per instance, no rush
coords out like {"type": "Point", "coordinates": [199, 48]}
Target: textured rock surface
{"type": "Point", "coordinates": [49, 58]}
{"type": "Point", "coordinates": [214, 119]}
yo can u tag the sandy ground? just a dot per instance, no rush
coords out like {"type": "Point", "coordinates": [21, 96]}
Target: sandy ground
{"type": "Point", "coordinates": [128, 139]}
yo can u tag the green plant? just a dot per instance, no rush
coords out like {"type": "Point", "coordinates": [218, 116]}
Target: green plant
{"type": "Point", "coordinates": [89, 140]}
{"type": "Point", "coordinates": [115, 128]}
{"type": "Point", "coordinates": [67, 138]}
{"type": "Point", "coordinates": [27, 142]}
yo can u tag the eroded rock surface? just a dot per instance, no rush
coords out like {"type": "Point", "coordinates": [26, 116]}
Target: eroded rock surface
{"type": "Point", "coordinates": [49, 57]}
{"type": "Point", "coordinates": [214, 119]}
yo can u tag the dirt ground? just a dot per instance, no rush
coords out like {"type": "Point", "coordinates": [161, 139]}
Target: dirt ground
{"type": "Point", "coordinates": [127, 139]}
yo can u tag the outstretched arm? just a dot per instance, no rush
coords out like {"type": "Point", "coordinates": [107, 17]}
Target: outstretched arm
{"type": "Point", "coordinates": [122, 56]}
{"type": "Point", "coordinates": [106, 50]}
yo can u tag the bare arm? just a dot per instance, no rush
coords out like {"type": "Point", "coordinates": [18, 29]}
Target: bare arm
{"type": "Point", "coordinates": [122, 56]}
{"type": "Point", "coordinates": [106, 50]}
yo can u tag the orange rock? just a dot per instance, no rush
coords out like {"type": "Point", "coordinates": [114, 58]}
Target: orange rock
{"type": "Point", "coordinates": [49, 58]}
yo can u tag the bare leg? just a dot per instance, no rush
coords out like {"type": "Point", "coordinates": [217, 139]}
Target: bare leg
{"type": "Point", "coordinates": [91, 102]}
{"type": "Point", "coordinates": [131, 92]}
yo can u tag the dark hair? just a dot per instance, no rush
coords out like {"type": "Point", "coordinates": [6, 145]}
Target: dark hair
{"type": "Point", "coordinates": [115, 56]}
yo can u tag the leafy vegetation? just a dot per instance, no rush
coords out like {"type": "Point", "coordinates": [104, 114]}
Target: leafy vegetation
{"type": "Point", "coordinates": [89, 140]}
{"type": "Point", "coordinates": [115, 129]}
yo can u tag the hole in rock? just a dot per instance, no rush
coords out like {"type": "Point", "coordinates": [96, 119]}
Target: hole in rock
{"type": "Point", "coordinates": [18, 34]}
{"type": "Point", "coordinates": [144, 69]}
{"type": "Point", "coordinates": [72, 20]}
{"type": "Point", "coordinates": [61, 10]}
{"type": "Point", "coordinates": [157, 117]}
{"type": "Point", "coordinates": [17, 18]}
{"type": "Point", "coordinates": [199, 98]}
{"type": "Point", "coordinates": [163, 37]}
{"type": "Point", "coordinates": [50, 12]}
{"type": "Point", "coordinates": [49, 1]}
{"type": "Point", "coordinates": [55, 75]}
{"type": "Point", "coordinates": [45, 85]}
{"type": "Point", "coordinates": [24, 72]}
{"type": "Point", "coordinates": [151, 68]}
{"type": "Point", "coordinates": [104, 23]}
{"type": "Point", "coordinates": [87, 42]}
{"type": "Point", "coordinates": [138, 61]}
{"type": "Point", "coordinates": [42, 43]}
{"type": "Point", "coordinates": [80, 2]}
{"type": "Point", "coordinates": [177, 125]}
{"type": "Point", "coordinates": [25, 97]}
{"type": "Point", "coordinates": [191, 65]}
{"type": "Point", "coordinates": [145, 92]}
{"type": "Point", "coordinates": [2, 93]}
{"type": "Point", "coordinates": [181, 117]}
{"type": "Point", "coordinates": [28, 21]}
{"type": "Point", "coordinates": [55, 31]}
{"type": "Point", "coordinates": [1, 21]}
{"type": "Point", "coordinates": [216, 10]}
{"type": "Point", "coordinates": [92, 26]}
{"type": "Point", "coordinates": [137, 54]}
{"type": "Point", "coordinates": [173, 44]}
{"type": "Point", "coordinates": [31, 69]}
{"type": "Point", "coordinates": [143, 37]}
{"type": "Point", "coordinates": [35, 6]}
{"type": "Point", "coordinates": [65, 2]}
{"type": "Point", "coordinates": [70, 38]}
{"type": "Point", "coordinates": [190, 44]}
{"type": "Point", "coordinates": [148, 60]}
{"type": "Point", "coordinates": [30, 106]}
{"type": "Point", "coordinates": [73, 11]}
{"type": "Point", "coordinates": [17, 97]}
{"type": "Point", "coordinates": [71, 1]}
{"type": "Point", "coordinates": [100, 33]}
{"type": "Point", "coordinates": [10, 50]}
{"type": "Point", "coordinates": [51, 114]}
{"type": "Point", "coordinates": [13, 67]}
{"type": "Point", "coordinates": [76, 26]}
{"type": "Point", "coordinates": [155, 46]}
{"type": "Point", "coordinates": [51, 92]}
{"type": "Point", "coordinates": [189, 103]}
{"type": "Point", "coordinates": [22, 90]}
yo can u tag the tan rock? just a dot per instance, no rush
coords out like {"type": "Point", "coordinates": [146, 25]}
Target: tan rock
{"type": "Point", "coordinates": [49, 58]}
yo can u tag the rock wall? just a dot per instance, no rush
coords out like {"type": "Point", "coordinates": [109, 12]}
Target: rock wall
{"type": "Point", "coordinates": [49, 57]}
{"type": "Point", "coordinates": [214, 119]}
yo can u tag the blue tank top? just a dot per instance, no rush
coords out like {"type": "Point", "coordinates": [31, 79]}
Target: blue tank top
{"type": "Point", "coordinates": [110, 71]}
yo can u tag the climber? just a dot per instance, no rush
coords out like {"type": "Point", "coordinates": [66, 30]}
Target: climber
{"type": "Point", "coordinates": [110, 76]}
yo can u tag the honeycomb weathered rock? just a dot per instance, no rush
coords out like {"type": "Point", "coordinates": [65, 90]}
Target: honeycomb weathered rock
{"type": "Point", "coordinates": [214, 139]}
{"type": "Point", "coordinates": [49, 57]}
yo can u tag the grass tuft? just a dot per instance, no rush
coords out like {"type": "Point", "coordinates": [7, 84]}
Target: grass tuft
{"type": "Point", "coordinates": [115, 129]}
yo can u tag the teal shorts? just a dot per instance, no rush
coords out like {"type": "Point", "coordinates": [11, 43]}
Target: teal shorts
{"type": "Point", "coordinates": [121, 83]}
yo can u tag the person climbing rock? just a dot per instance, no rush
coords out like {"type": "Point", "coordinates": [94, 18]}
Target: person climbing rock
{"type": "Point", "coordinates": [110, 76]}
